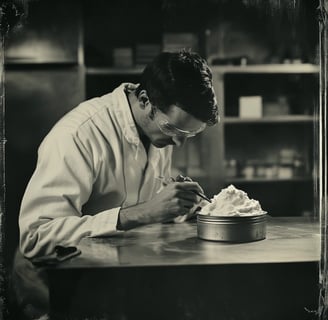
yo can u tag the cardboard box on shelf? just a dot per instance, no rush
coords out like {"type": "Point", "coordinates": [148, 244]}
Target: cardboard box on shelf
{"type": "Point", "coordinates": [250, 107]}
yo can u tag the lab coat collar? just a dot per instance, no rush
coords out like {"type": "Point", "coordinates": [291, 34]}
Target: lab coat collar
{"type": "Point", "coordinates": [129, 128]}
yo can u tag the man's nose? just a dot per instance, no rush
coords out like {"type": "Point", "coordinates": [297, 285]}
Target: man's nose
{"type": "Point", "coordinates": [179, 141]}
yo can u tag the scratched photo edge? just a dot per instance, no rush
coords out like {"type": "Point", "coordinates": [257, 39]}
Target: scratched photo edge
{"type": "Point", "coordinates": [320, 157]}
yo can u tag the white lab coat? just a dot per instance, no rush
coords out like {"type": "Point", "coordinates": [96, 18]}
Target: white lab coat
{"type": "Point", "coordinates": [91, 164]}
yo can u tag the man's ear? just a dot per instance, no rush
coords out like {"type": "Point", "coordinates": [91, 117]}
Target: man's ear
{"type": "Point", "coordinates": [143, 99]}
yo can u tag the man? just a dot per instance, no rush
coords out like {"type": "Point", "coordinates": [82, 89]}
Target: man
{"type": "Point", "coordinates": [100, 169]}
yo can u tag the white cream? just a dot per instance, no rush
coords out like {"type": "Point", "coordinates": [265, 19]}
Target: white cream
{"type": "Point", "coordinates": [232, 202]}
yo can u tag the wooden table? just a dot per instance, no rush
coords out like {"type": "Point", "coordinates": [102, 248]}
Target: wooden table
{"type": "Point", "coordinates": [164, 271]}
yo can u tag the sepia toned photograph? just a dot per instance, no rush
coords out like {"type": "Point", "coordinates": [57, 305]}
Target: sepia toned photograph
{"type": "Point", "coordinates": [163, 160]}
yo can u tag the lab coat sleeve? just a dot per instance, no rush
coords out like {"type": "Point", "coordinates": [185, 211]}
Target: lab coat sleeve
{"type": "Point", "coordinates": [51, 208]}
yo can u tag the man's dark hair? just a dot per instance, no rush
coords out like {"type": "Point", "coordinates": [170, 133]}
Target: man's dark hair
{"type": "Point", "coordinates": [184, 79]}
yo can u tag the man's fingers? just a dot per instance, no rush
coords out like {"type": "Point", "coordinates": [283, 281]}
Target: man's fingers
{"type": "Point", "coordinates": [189, 196]}
{"type": "Point", "coordinates": [181, 178]}
{"type": "Point", "coordinates": [168, 181]}
{"type": "Point", "coordinates": [185, 206]}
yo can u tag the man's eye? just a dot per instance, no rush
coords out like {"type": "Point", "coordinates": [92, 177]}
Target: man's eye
{"type": "Point", "coordinates": [169, 127]}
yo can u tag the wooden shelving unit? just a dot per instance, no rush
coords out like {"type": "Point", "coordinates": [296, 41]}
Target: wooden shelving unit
{"type": "Point", "coordinates": [272, 119]}
{"type": "Point", "coordinates": [254, 139]}
{"type": "Point", "coordinates": [288, 68]}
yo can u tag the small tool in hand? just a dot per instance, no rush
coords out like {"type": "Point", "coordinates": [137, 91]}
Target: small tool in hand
{"type": "Point", "coordinates": [202, 196]}
{"type": "Point", "coordinates": [182, 179]}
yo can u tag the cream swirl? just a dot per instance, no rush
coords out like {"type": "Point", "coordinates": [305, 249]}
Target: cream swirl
{"type": "Point", "coordinates": [232, 202]}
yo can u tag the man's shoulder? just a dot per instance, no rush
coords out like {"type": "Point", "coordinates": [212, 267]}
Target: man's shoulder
{"type": "Point", "coordinates": [95, 114]}
{"type": "Point", "coordinates": [98, 117]}
{"type": "Point", "coordinates": [84, 113]}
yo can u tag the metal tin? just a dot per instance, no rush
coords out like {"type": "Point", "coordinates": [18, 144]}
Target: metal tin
{"type": "Point", "coordinates": [231, 228]}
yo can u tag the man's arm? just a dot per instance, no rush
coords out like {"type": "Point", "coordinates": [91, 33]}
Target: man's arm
{"type": "Point", "coordinates": [51, 208]}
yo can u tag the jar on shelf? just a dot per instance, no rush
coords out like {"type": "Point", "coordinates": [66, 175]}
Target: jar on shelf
{"type": "Point", "coordinates": [249, 169]}
{"type": "Point", "coordinates": [284, 108]}
{"type": "Point", "coordinates": [261, 170]}
{"type": "Point", "coordinates": [285, 171]}
{"type": "Point", "coordinates": [286, 163]}
{"type": "Point", "coordinates": [271, 170]}
{"type": "Point", "coordinates": [231, 168]}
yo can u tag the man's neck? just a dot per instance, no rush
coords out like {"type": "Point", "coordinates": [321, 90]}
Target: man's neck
{"type": "Point", "coordinates": [134, 105]}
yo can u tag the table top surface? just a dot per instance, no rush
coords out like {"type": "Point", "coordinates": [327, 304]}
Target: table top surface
{"type": "Point", "coordinates": [292, 239]}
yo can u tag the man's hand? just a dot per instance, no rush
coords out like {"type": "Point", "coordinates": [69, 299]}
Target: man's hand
{"type": "Point", "coordinates": [176, 199]}
{"type": "Point", "coordinates": [193, 210]}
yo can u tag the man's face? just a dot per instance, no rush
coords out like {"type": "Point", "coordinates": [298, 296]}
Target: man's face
{"type": "Point", "coordinates": [172, 127]}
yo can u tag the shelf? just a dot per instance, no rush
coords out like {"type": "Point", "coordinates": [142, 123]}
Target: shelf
{"type": "Point", "coordinates": [275, 119]}
{"type": "Point", "coordinates": [267, 180]}
{"type": "Point", "coordinates": [57, 66]}
{"type": "Point", "coordinates": [260, 68]}
{"type": "Point", "coordinates": [265, 68]}
{"type": "Point", "coordinates": [114, 71]}
{"type": "Point", "coordinates": [268, 68]}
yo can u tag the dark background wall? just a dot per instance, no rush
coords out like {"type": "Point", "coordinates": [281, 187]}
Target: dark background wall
{"type": "Point", "coordinates": [43, 80]}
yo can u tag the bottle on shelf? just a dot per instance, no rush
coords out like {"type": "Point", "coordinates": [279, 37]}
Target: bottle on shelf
{"type": "Point", "coordinates": [286, 163]}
